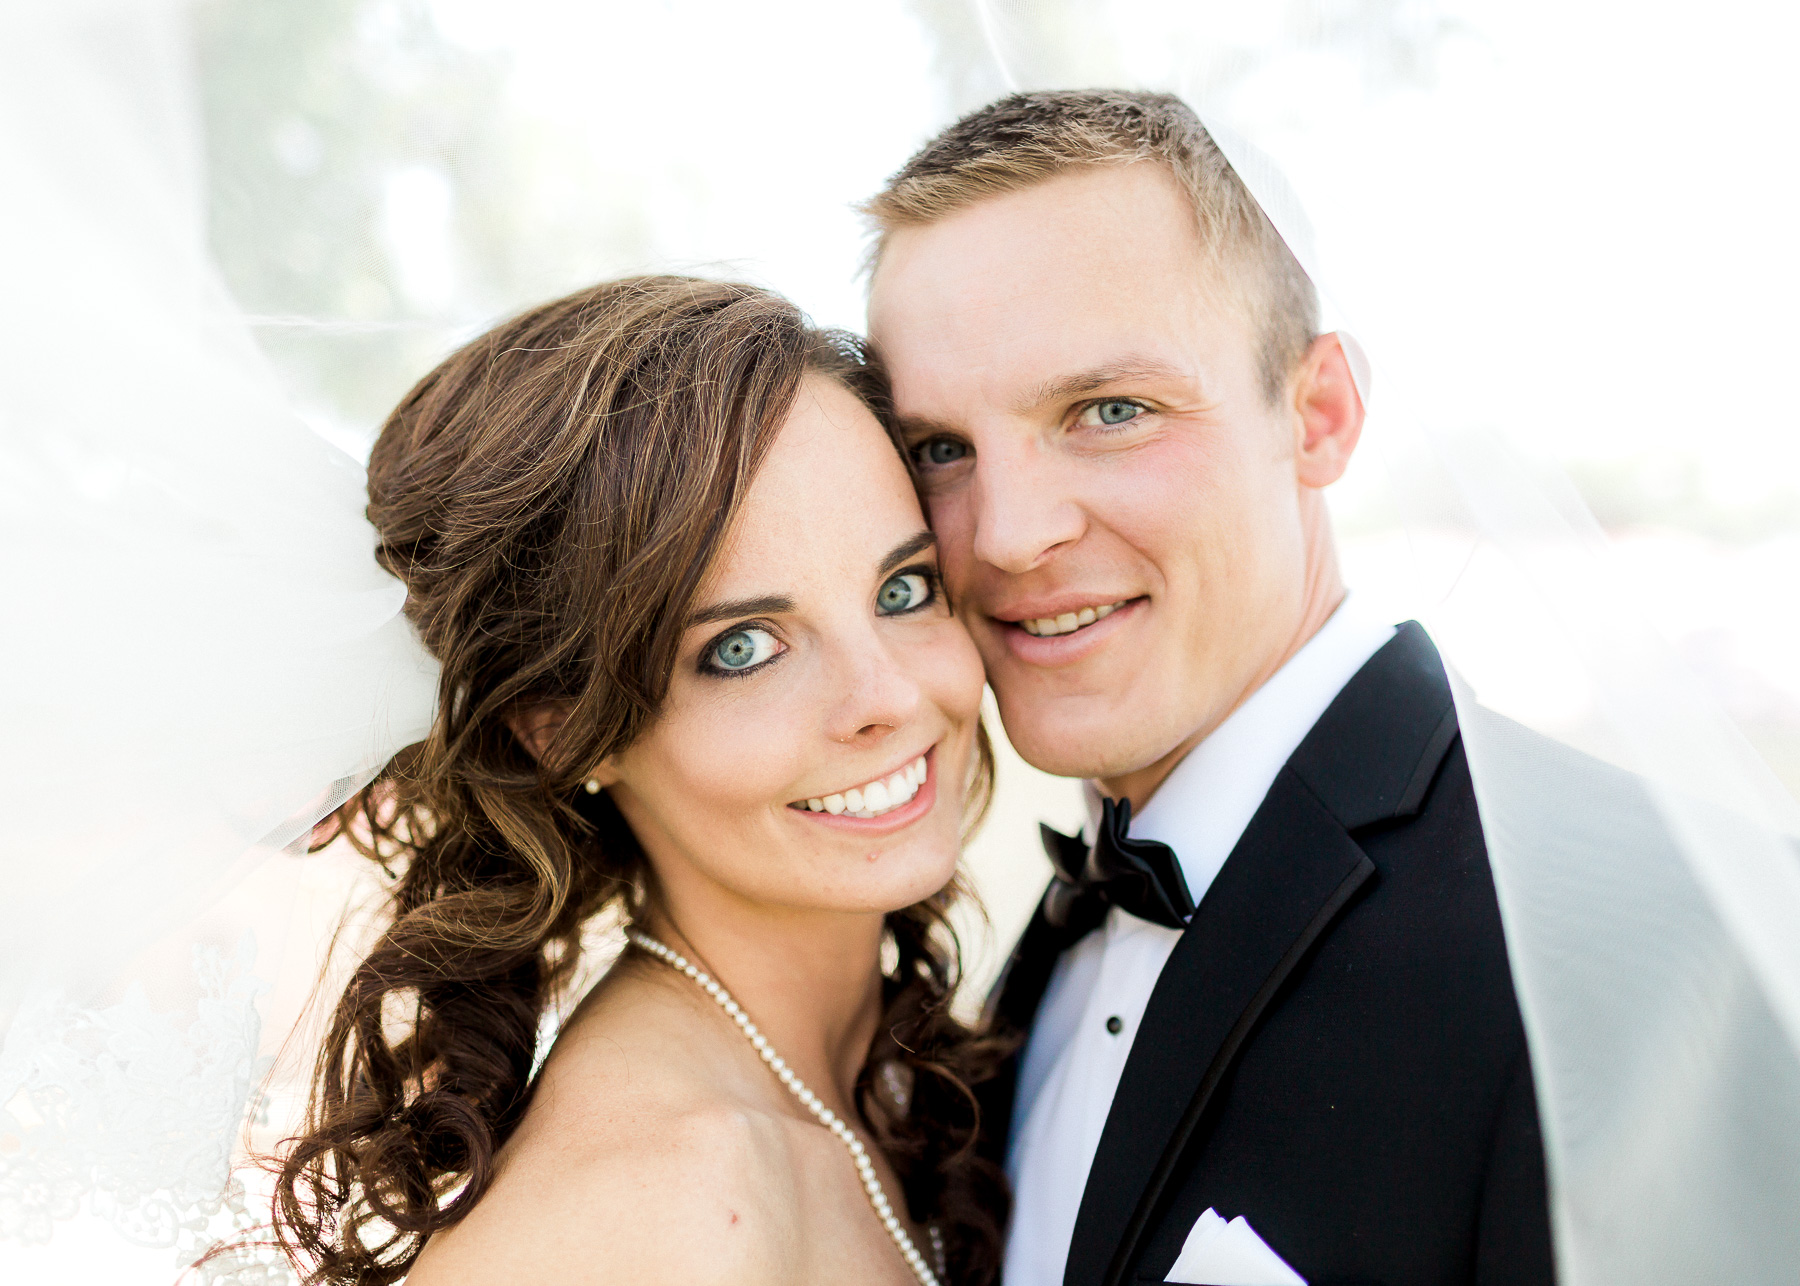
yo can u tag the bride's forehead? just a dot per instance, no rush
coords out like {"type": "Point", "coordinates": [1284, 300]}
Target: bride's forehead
{"type": "Point", "coordinates": [831, 490]}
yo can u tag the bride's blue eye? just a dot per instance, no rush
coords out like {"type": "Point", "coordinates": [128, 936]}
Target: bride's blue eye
{"type": "Point", "coordinates": [903, 592]}
{"type": "Point", "coordinates": [1113, 411]}
{"type": "Point", "coordinates": [741, 650]}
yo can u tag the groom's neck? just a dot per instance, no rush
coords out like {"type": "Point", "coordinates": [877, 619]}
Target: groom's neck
{"type": "Point", "coordinates": [1324, 593]}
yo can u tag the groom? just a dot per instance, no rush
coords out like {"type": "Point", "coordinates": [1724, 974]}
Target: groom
{"type": "Point", "coordinates": [1272, 1030]}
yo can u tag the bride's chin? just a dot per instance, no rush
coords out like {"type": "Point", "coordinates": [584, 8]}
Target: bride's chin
{"type": "Point", "coordinates": [932, 882]}
{"type": "Point", "coordinates": [905, 881]}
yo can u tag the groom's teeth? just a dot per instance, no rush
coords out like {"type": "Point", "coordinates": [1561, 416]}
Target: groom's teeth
{"type": "Point", "coordinates": [877, 797]}
{"type": "Point", "coordinates": [1069, 622]}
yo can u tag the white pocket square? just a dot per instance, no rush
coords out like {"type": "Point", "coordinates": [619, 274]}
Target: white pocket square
{"type": "Point", "coordinates": [1217, 1253]}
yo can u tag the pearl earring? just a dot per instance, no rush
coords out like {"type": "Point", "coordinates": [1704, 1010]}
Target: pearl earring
{"type": "Point", "coordinates": [593, 785]}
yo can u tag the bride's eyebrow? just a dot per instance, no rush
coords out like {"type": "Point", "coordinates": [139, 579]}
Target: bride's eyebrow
{"type": "Point", "coordinates": [767, 605]}
{"type": "Point", "coordinates": [777, 604]}
{"type": "Point", "coordinates": [914, 544]}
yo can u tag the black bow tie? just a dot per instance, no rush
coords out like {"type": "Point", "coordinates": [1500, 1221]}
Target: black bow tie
{"type": "Point", "coordinates": [1136, 875]}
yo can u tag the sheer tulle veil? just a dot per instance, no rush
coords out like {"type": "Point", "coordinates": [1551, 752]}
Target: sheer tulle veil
{"type": "Point", "coordinates": [202, 658]}
{"type": "Point", "coordinates": [1647, 860]}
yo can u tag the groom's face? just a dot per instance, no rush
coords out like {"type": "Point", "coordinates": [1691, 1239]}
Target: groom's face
{"type": "Point", "coordinates": [1114, 490]}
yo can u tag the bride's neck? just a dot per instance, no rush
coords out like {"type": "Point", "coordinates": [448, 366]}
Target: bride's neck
{"type": "Point", "coordinates": [810, 980]}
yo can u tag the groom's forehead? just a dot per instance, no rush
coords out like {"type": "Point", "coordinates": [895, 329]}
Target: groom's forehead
{"type": "Point", "coordinates": [1028, 294]}
{"type": "Point", "coordinates": [1097, 220]}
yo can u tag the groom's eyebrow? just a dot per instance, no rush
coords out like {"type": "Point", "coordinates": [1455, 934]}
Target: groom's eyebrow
{"type": "Point", "coordinates": [1080, 384]}
{"type": "Point", "coordinates": [913, 428]}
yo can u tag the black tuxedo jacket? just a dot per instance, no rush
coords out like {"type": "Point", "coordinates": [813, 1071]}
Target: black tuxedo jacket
{"type": "Point", "coordinates": [1333, 1050]}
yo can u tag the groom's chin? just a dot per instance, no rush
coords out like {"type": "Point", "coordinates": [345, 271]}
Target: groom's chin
{"type": "Point", "coordinates": [1097, 735]}
{"type": "Point", "coordinates": [1098, 715]}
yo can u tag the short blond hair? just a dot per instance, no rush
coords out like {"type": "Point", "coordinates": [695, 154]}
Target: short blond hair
{"type": "Point", "coordinates": [1024, 139]}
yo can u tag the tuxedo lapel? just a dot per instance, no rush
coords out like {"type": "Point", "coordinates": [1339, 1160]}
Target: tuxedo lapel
{"type": "Point", "coordinates": [1292, 872]}
{"type": "Point", "coordinates": [1369, 759]}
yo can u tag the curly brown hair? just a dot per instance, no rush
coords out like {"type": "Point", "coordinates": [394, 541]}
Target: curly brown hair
{"type": "Point", "coordinates": [553, 496]}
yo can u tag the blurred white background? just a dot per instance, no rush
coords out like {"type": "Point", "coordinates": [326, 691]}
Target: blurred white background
{"type": "Point", "coordinates": [387, 177]}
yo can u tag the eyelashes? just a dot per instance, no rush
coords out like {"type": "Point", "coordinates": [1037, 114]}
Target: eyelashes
{"type": "Point", "coordinates": [940, 451]}
{"type": "Point", "coordinates": [742, 649]}
{"type": "Point", "coordinates": [1111, 413]}
{"type": "Point", "coordinates": [749, 647]}
{"type": "Point", "coordinates": [899, 596]}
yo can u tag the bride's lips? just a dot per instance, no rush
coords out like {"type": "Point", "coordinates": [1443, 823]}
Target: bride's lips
{"type": "Point", "coordinates": [895, 818]}
{"type": "Point", "coordinates": [1074, 645]}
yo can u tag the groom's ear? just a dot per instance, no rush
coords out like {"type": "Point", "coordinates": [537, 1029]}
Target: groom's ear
{"type": "Point", "coordinates": [1328, 411]}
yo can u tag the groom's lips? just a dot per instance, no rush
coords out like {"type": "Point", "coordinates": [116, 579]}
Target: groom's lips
{"type": "Point", "coordinates": [1063, 649]}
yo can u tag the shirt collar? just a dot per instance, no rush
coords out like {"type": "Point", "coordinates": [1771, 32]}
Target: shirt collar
{"type": "Point", "coordinates": [1203, 806]}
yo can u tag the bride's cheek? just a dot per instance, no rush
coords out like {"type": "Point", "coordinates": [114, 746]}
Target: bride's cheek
{"type": "Point", "coordinates": [958, 675]}
{"type": "Point", "coordinates": [722, 753]}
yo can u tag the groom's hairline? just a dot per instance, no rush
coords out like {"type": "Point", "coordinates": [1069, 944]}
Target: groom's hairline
{"type": "Point", "coordinates": [1023, 140]}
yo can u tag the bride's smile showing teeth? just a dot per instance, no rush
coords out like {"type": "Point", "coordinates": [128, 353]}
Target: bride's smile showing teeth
{"type": "Point", "coordinates": [872, 799]}
{"type": "Point", "coordinates": [1069, 622]}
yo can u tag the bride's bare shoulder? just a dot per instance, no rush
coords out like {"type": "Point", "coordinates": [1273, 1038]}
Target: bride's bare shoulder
{"type": "Point", "coordinates": [630, 1166]}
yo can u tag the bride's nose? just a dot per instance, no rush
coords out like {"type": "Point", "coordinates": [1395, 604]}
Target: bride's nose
{"type": "Point", "coordinates": [878, 697]}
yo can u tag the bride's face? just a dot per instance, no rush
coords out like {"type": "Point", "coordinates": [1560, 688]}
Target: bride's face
{"type": "Point", "coordinates": [818, 734]}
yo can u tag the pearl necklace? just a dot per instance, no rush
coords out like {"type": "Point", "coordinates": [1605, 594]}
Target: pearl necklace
{"type": "Point", "coordinates": [865, 1168]}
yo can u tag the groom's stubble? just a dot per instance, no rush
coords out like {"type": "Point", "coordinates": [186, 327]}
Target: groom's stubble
{"type": "Point", "coordinates": [1084, 383]}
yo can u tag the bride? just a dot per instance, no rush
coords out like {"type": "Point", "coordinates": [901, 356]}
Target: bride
{"type": "Point", "coordinates": [697, 668]}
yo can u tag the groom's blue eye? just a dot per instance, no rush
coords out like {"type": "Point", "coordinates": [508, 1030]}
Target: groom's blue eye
{"type": "Point", "coordinates": [1111, 412]}
{"type": "Point", "coordinates": [937, 452]}
{"type": "Point", "coordinates": [741, 650]}
{"type": "Point", "coordinates": [903, 592]}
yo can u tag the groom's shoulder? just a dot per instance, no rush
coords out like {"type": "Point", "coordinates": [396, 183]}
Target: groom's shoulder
{"type": "Point", "coordinates": [1389, 762]}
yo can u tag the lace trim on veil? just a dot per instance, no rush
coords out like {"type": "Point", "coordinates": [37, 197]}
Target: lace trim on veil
{"type": "Point", "coordinates": [137, 1110]}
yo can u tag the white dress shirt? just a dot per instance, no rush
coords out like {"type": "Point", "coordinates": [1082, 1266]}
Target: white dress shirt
{"type": "Point", "coordinates": [1074, 1057]}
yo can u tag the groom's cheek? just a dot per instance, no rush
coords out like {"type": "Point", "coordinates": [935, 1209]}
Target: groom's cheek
{"type": "Point", "coordinates": [947, 510]}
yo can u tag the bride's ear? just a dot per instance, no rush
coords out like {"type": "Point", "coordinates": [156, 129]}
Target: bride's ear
{"type": "Point", "coordinates": [536, 726]}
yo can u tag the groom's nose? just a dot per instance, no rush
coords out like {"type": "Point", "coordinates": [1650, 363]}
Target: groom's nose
{"type": "Point", "coordinates": [1023, 506]}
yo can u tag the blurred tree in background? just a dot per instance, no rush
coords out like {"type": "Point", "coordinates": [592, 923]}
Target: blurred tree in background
{"type": "Point", "coordinates": [385, 179]}
{"type": "Point", "coordinates": [372, 197]}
